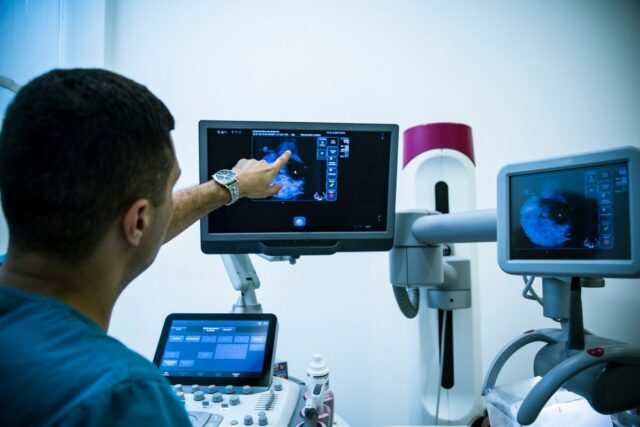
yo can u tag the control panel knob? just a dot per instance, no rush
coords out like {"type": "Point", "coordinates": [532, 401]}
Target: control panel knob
{"type": "Point", "coordinates": [246, 389]}
{"type": "Point", "coordinates": [177, 387]}
{"type": "Point", "coordinates": [195, 388]}
{"type": "Point", "coordinates": [277, 386]}
{"type": "Point", "coordinates": [234, 400]}
{"type": "Point", "coordinates": [229, 389]}
{"type": "Point", "coordinates": [198, 396]}
{"type": "Point", "coordinates": [180, 395]}
{"type": "Point", "coordinates": [233, 422]}
{"type": "Point", "coordinates": [211, 389]}
{"type": "Point", "coordinates": [262, 420]}
{"type": "Point", "coordinates": [216, 398]}
{"type": "Point", "coordinates": [248, 420]}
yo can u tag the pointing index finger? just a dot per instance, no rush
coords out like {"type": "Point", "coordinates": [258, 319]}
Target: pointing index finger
{"type": "Point", "coordinates": [282, 160]}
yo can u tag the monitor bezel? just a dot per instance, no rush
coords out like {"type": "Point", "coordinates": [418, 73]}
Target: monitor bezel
{"type": "Point", "coordinates": [568, 267]}
{"type": "Point", "coordinates": [265, 378]}
{"type": "Point", "coordinates": [302, 243]}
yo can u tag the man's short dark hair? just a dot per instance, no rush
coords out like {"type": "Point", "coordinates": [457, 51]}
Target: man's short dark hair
{"type": "Point", "coordinates": [76, 148]}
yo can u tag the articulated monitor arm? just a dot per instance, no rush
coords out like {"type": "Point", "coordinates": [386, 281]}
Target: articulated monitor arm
{"type": "Point", "coordinates": [417, 260]}
{"type": "Point", "coordinates": [245, 280]}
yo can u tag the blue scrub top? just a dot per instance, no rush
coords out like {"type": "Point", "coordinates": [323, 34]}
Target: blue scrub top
{"type": "Point", "coordinates": [58, 368]}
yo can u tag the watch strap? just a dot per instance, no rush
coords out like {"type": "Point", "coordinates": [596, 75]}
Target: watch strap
{"type": "Point", "coordinates": [231, 186]}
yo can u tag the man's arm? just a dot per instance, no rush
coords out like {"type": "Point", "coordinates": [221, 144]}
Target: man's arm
{"type": "Point", "coordinates": [254, 181]}
{"type": "Point", "coordinates": [190, 204]}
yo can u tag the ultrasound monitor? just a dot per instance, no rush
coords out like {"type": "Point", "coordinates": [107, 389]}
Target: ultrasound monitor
{"type": "Point", "coordinates": [338, 188]}
{"type": "Point", "coordinates": [571, 216]}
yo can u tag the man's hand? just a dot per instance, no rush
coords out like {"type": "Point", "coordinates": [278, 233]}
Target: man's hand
{"type": "Point", "coordinates": [255, 176]}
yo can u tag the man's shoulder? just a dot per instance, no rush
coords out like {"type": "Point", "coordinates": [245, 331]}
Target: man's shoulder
{"type": "Point", "coordinates": [136, 401]}
{"type": "Point", "coordinates": [47, 335]}
{"type": "Point", "coordinates": [52, 347]}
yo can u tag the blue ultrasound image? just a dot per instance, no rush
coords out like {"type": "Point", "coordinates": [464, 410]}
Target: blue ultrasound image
{"type": "Point", "coordinates": [554, 214]}
{"type": "Point", "coordinates": [303, 175]}
{"type": "Point", "coordinates": [546, 218]}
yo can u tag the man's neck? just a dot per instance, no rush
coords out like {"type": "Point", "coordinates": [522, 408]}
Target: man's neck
{"type": "Point", "coordinates": [89, 289]}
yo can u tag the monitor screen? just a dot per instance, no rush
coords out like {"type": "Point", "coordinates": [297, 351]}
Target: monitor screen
{"type": "Point", "coordinates": [223, 349]}
{"type": "Point", "coordinates": [571, 216]}
{"type": "Point", "coordinates": [338, 188]}
{"type": "Point", "coordinates": [575, 213]}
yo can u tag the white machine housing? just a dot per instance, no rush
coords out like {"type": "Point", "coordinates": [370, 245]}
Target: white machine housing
{"type": "Point", "coordinates": [422, 173]}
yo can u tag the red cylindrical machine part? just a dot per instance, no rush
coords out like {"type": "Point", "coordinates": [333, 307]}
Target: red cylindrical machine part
{"type": "Point", "coordinates": [422, 138]}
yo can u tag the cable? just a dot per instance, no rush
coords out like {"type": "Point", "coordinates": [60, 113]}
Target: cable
{"type": "Point", "coordinates": [408, 300]}
{"type": "Point", "coordinates": [9, 84]}
{"type": "Point", "coordinates": [442, 336]}
{"type": "Point", "coordinates": [528, 292]}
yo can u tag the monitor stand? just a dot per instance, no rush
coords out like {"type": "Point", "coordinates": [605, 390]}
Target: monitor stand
{"type": "Point", "coordinates": [603, 371]}
{"type": "Point", "coordinates": [245, 280]}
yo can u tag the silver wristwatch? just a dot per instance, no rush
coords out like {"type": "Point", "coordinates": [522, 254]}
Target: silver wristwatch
{"type": "Point", "coordinates": [228, 179]}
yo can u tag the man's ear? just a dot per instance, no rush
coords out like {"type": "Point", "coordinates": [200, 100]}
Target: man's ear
{"type": "Point", "coordinates": [136, 220]}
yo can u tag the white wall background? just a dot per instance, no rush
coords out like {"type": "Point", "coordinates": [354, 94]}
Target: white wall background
{"type": "Point", "coordinates": [534, 79]}
{"type": "Point", "coordinates": [36, 36]}
{"type": "Point", "coordinates": [34, 31]}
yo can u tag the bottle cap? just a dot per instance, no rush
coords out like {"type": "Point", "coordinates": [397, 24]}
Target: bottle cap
{"type": "Point", "coordinates": [318, 367]}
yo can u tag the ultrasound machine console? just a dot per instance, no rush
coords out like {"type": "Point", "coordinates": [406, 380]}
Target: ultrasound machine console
{"type": "Point", "coordinates": [221, 367]}
{"type": "Point", "coordinates": [338, 194]}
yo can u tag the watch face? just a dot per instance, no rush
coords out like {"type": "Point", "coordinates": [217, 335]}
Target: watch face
{"type": "Point", "coordinates": [225, 176]}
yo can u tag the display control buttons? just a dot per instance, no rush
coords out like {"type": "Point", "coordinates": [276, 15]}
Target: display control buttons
{"type": "Point", "coordinates": [229, 389]}
{"type": "Point", "coordinates": [234, 400]}
{"type": "Point", "coordinates": [246, 389]}
{"type": "Point", "coordinates": [198, 396]}
{"type": "Point", "coordinates": [277, 386]}
{"type": "Point", "coordinates": [216, 398]}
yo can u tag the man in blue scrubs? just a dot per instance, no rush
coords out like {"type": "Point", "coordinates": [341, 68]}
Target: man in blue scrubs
{"type": "Point", "coordinates": [87, 169]}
